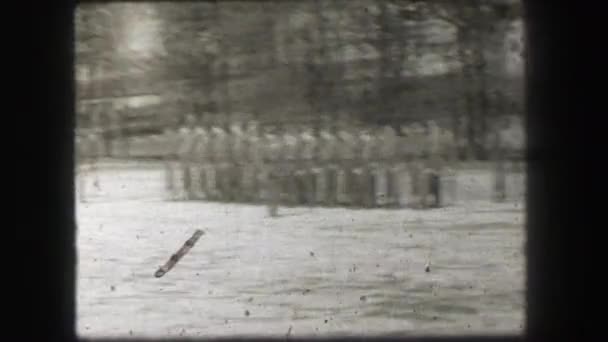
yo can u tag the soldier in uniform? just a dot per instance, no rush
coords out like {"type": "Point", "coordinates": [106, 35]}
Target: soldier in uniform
{"type": "Point", "coordinates": [272, 179]}
{"type": "Point", "coordinates": [328, 176]}
{"type": "Point", "coordinates": [304, 172]}
{"type": "Point", "coordinates": [198, 160]}
{"type": "Point", "coordinates": [170, 162]}
{"type": "Point", "coordinates": [289, 142]}
{"type": "Point", "coordinates": [415, 165]}
{"type": "Point", "coordinates": [238, 162]}
{"type": "Point", "coordinates": [221, 158]}
{"type": "Point", "coordinates": [433, 166]}
{"type": "Point", "coordinates": [208, 161]}
{"type": "Point", "coordinates": [254, 163]}
{"type": "Point", "coordinates": [363, 170]}
{"type": "Point", "coordinates": [385, 182]}
{"type": "Point", "coordinates": [405, 156]}
{"type": "Point", "coordinates": [449, 157]}
{"type": "Point", "coordinates": [185, 148]}
{"type": "Point", "coordinates": [346, 148]}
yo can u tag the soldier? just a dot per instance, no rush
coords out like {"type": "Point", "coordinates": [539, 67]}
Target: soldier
{"type": "Point", "coordinates": [433, 167]}
{"type": "Point", "coordinates": [415, 165]}
{"type": "Point", "coordinates": [199, 155]}
{"type": "Point", "coordinates": [385, 175]}
{"type": "Point", "coordinates": [405, 155]}
{"type": "Point", "coordinates": [185, 148]}
{"type": "Point", "coordinates": [272, 179]}
{"type": "Point", "coordinates": [254, 163]}
{"type": "Point", "coordinates": [221, 158]}
{"type": "Point", "coordinates": [170, 161]}
{"type": "Point", "coordinates": [304, 172]}
{"type": "Point", "coordinates": [289, 143]}
{"type": "Point", "coordinates": [238, 162]}
{"type": "Point", "coordinates": [327, 155]}
{"type": "Point", "coordinates": [346, 148]}
{"type": "Point", "coordinates": [208, 161]}
{"type": "Point", "coordinates": [362, 171]}
{"type": "Point", "coordinates": [449, 155]}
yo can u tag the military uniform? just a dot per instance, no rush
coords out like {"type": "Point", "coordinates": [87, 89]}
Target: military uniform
{"type": "Point", "coordinates": [326, 187]}
{"type": "Point", "coordinates": [448, 176]}
{"type": "Point", "coordinates": [433, 168]}
{"type": "Point", "coordinates": [415, 165]}
{"type": "Point", "coordinates": [186, 140]}
{"type": "Point", "coordinates": [170, 162]}
{"type": "Point", "coordinates": [238, 162]}
{"type": "Point", "coordinates": [208, 165]}
{"type": "Point", "coordinates": [362, 171]}
{"type": "Point", "coordinates": [222, 160]}
{"type": "Point", "coordinates": [346, 149]}
{"type": "Point", "coordinates": [198, 160]}
{"type": "Point", "coordinates": [405, 156]}
{"type": "Point", "coordinates": [305, 179]}
{"type": "Point", "coordinates": [290, 160]}
{"type": "Point", "coordinates": [254, 164]}
{"type": "Point", "coordinates": [385, 174]}
{"type": "Point", "coordinates": [272, 179]}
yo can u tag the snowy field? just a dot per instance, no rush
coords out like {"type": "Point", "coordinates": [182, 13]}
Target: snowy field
{"type": "Point", "coordinates": [309, 272]}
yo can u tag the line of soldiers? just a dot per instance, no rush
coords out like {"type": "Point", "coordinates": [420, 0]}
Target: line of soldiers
{"type": "Point", "coordinates": [296, 165]}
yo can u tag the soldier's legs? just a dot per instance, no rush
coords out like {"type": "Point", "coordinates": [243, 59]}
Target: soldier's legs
{"type": "Point", "coordinates": [500, 175]}
{"type": "Point", "coordinates": [416, 180]}
{"type": "Point", "coordinates": [320, 185]}
{"type": "Point", "coordinates": [273, 189]}
{"type": "Point", "coordinates": [169, 177]}
{"type": "Point", "coordinates": [331, 183]}
{"type": "Point", "coordinates": [391, 186]}
{"type": "Point", "coordinates": [186, 181]}
{"type": "Point", "coordinates": [380, 185]}
{"type": "Point", "coordinates": [196, 185]}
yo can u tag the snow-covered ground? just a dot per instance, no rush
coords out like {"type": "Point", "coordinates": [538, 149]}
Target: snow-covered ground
{"type": "Point", "coordinates": [308, 272]}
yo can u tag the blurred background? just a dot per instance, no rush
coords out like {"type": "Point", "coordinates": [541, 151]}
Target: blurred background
{"type": "Point", "coordinates": [141, 66]}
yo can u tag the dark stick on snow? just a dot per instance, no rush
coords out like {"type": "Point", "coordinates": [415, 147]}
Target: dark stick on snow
{"type": "Point", "coordinates": [180, 254]}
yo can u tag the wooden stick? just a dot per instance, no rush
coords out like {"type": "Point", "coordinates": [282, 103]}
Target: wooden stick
{"type": "Point", "coordinates": [180, 253]}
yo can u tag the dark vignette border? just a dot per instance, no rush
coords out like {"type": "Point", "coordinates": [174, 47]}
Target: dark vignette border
{"type": "Point", "coordinates": [562, 139]}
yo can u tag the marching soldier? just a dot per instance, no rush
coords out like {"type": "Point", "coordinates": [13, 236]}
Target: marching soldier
{"type": "Point", "coordinates": [363, 170]}
{"type": "Point", "coordinates": [170, 162]}
{"type": "Point", "coordinates": [199, 155]}
{"type": "Point", "coordinates": [272, 179]}
{"type": "Point", "coordinates": [449, 155]}
{"type": "Point", "coordinates": [304, 173]}
{"type": "Point", "coordinates": [238, 162]}
{"type": "Point", "coordinates": [327, 157]}
{"type": "Point", "coordinates": [432, 171]}
{"type": "Point", "coordinates": [385, 180]}
{"type": "Point", "coordinates": [405, 155]}
{"type": "Point", "coordinates": [290, 154]}
{"type": "Point", "coordinates": [208, 168]}
{"type": "Point", "coordinates": [221, 158]}
{"type": "Point", "coordinates": [254, 164]}
{"type": "Point", "coordinates": [185, 148]}
{"type": "Point", "coordinates": [346, 148]}
{"type": "Point", "coordinates": [415, 165]}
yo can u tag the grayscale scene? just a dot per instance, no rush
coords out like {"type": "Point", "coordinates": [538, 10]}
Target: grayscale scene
{"type": "Point", "coordinates": [300, 168]}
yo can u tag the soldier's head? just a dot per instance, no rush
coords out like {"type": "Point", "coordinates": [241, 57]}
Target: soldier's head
{"type": "Point", "coordinates": [235, 127]}
{"type": "Point", "coordinates": [252, 126]}
{"type": "Point", "coordinates": [189, 120]}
